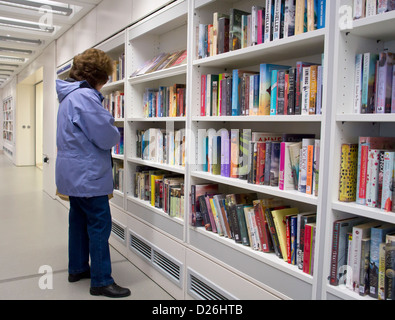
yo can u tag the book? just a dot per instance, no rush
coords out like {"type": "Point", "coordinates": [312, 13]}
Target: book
{"type": "Point", "coordinates": [359, 9]}
{"type": "Point", "coordinates": [196, 218]}
{"type": "Point", "coordinates": [303, 164]}
{"type": "Point", "coordinates": [303, 219]}
{"type": "Point", "coordinates": [305, 91]}
{"type": "Point", "coordinates": [385, 5]}
{"type": "Point", "coordinates": [235, 28]}
{"type": "Point", "coordinates": [269, 9]}
{"type": "Point", "coordinates": [364, 144]}
{"type": "Point", "coordinates": [265, 86]}
{"type": "Point", "coordinates": [225, 153]}
{"type": "Point", "coordinates": [348, 172]}
{"type": "Point", "coordinates": [286, 173]}
{"type": "Point", "coordinates": [384, 82]}
{"type": "Point", "coordinates": [368, 82]}
{"type": "Point", "coordinates": [359, 232]}
{"type": "Point", "coordinates": [364, 284]}
{"type": "Point", "coordinates": [309, 246]}
{"type": "Point", "coordinates": [280, 225]}
{"type": "Point", "coordinates": [389, 267]}
{"type": "Point", "coordinates": [234, 153]}
{"type": "Point", "coordinates": [300, 10]}
{"type": "Point", "coordinates": [289, 18]}
{"type": "Point", "coordinates": [263, 231]}
{"type": "Point", "coordinates": [377, 236]}
{"type": "Point", "coordinates": [375, 162]}
{"type": "Point", "coordinates": [317, 144]}
{"type": "Point", "coordinates": [294, 158]}
{"type": "Point", "coordinates": [223, 35]}
{"type": "Point", "coordinates": [388, 181]}
{"type": "Point", "coordinates": [339, 249]}
{"type": "Point", "coordinates": [274, 163]}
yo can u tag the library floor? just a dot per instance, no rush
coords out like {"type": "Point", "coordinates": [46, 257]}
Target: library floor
{"type": "Point", "coordinates": [34, 233]}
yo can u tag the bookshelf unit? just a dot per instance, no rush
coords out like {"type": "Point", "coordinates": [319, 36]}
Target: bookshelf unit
{"type": "Point", "coordinates": [113, 92]}
{"type": "Point", "coordinates": [370, 34]}
{"type": "Point", "coordinates": [8, 126]}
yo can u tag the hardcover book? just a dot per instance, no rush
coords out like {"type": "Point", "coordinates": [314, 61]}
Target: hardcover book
{"type": "Point", "coordinates": [348, 172]}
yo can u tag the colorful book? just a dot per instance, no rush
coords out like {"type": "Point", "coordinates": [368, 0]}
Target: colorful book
{"type": "Point", "coordinates": [368, 82]}
{"type": "Point", "coordinates": [384, 82]}
{"type": "Point", "coordinates": [348, 172]}
{"type": "Point", "coordinates": [388, 181]}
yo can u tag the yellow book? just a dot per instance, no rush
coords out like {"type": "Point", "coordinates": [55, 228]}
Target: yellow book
{"type": "Point", "coordinates": [280, 225]}
{"type": "Point", "coordinates": [153, 178]}
{"type": "Point", "coordinates": [300, 9]}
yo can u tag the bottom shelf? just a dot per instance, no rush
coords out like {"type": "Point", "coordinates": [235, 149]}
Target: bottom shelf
{"type": "Point", "coordinates": [266, 268]}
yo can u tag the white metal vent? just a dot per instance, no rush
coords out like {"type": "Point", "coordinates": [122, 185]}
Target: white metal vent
{"type": "Point", "coordinates": [203, 289]}
{"type": "Point", "coordinates": [119, 231]}
{"type": "Point", "coordinates": [140, 247]}
{"type": "Point", "coordinates": [165, 264]}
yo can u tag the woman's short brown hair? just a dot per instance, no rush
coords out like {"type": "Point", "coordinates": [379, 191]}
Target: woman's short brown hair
{"type": "Point", "coordinates": [93, 65]}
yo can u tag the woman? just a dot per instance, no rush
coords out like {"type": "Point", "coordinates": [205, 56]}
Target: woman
{"type": "Point", "coordinates": [85, 136]}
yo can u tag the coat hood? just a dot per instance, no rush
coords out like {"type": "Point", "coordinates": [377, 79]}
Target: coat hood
{"type": "Point", "coordinates": [65, 87]}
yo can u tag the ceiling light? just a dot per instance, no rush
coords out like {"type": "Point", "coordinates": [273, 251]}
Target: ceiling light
{"type": "Point", "coordinates": [6, 70]}
{"type": "Point", "coordinates": [9, 65]}
{"type": "Point", "coordinates": [37, 6]}
{"type": "Point", "coordinates": [26, 25]}
{"type": "Point", "coordinates": [21, 40]}
{"type": "Point", "coordinates": [13, 50]}
{"type": "Point", "coordinates": [11, 59]}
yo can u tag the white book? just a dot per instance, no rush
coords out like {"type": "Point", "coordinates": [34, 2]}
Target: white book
{"type": "Point", "coordinates": [359, 9]}
{"type": "Point", "coordinates": [286, 179]}
{"type": "Point", "coordinates": [306, 91]}
{"type": "Point", "coordinates": [268, 21]}
{"type": "Point", "coordinates": [388, 181]}
{"type": "Point", "coordinates": [358, 83]}
{"type": "Point", "coordinates": [371, 8]}
{"type": "Point", "coordinates": [289, 18]}
{"type": "Point", "coordinates": [277, 20]}
{"type": "Point", "coordinates": [254, 24]}
{"type": "Point", "coordinates": [211, 134]}
{"type": "Point", "coordinates": [303, 164]}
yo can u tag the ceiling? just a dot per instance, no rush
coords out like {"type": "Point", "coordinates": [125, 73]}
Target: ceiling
{"type": "Point", "coordinates": [27, 27]}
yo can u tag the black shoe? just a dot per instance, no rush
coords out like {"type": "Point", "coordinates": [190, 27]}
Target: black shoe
{"type": "Point", "coordinates": [78, 276]}
{"type": "Point", "coordinates": [111, 291]}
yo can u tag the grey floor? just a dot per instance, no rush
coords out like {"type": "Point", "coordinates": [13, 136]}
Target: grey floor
{"type": "Point", "coordinates": [33, 233]}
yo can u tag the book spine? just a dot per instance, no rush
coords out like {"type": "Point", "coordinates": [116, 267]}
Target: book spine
{"type": "Point", "coordinates": [373, 180]}
{"type": "Point", "coordinates": [333, 279]}
{"type": "Point", "coordinates": [310, 169]}
{"type": "Point", "coordinates": [359, 9]}
{"type": "Point", "coordinates": [260, 172]}
{"type": "Point", "coordinates": [381, 276]}
{"type": "Point", "coordinates": [371, 8]}
{"type": "Point", "coordinates": [274, 164]}
{"type": "Point", "coordinates": [358, 82]}
{"type": "Point", "coordinates": [203, 95]}
{"type": "Point", "coordinates": [277, 20]}
{"type": "Point", "coordinates": [321, 14]}
{"type": "Point", "coordinates": [389, 269]}
{"type": "Point", "coordinates": [299, 16]}
{"type": "Point", "coordinates": [363, 152]}
{"type": "Point", "coordinates": [384, 74]}
{"type": "Point", "coordinates": [305, 91]}
{"type": "Point", "coordinates": [307, 249]}
{"type": "Point", "coordinates": [267, 163]}
{"type": "Point", "coordinates": [313, 89]}
{"type": "Point", "coordinates": [348, 172]}
{"type": "Point", "coordinates": [268, 21]}
{"type": "Point", "coordinates": [273, 94]}
{"type": "Point", "coordinates": [234, 153]}
{"type": "Point", "coordinates": [388, 180]}
{"type": "Point", "coordinates": [281, 92]}
{"type": "Point", "coordinates": [282, 166]}
{"type": "Point", "coordinates": [273, 233]}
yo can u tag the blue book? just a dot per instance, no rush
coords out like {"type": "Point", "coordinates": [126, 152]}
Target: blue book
{"type": "Point", "coordinates": [320, 6]}
{"type": "Point", "coordinates": [273, 95]}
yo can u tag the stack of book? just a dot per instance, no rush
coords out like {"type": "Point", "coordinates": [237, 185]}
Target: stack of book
{"type": "Point", "coordinates": [287, 161]}
{"type": "Point", "coordinates": [266, 225]}
{"type": "Point", "coordinates": [367, 172]}
{"type": "Point", "coordinates": [279, 19]}
{"type": "Point", "coordinates": [161, 61]}
{"type": "Point", "coordinates": [363, 257]}
{"type": "Point", "coordinates": [368, 8]}
{"type": "Point", "coordinates": [165, 101]}
{"type": "Point", "coordinates": [161, 189]}
{"type": "Point", "coordinates": [274, 90]}
{"type": "Point", "coordinates": [161, 146]}
{"type": "Point", "coordinates": [374, 83]}
{"type": "Point", "coordinates": [114, 102]}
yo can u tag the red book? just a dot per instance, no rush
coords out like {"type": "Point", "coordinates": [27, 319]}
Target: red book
{"type": "Point", "coordinates": [260, 162]}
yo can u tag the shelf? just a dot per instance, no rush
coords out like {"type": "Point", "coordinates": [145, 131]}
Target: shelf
{"type": "Point", "coordinates": [157, 75]}
{"type": "Point", "coordinates": [364, 211]}
{"type": "Point", "coordinates": [344, 293]}
{"type": "Point", "coordinates": [117, 156]}
{"type": "Point", "coordinates": [370, 117]}
{"type": "Point", "coordinates": [309, 43]}
{"type": "Point", "coordinates": [157, 119]}
{"type": "Point", "coordinates": [277, 118]}
{"type": "Point", "coordinates": [378, 27]}
{"type": "Point", "coordinates": [274, 191]}
{"type": "Point", "coordinates": [176, 169]}
{"type": "Point", "coordinates": [112, 86]}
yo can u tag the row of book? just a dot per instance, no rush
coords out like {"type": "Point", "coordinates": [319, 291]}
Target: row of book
{"type": "Point", "coordinates": [165, 101]}
{"type": "Point", "coordinates": [274, 90]}
{"type": "Point", "coordinates": [161, 61]}
{"type": "Point", "coordinates": [118, 72]}
{"type": "Point", "coordinates": [278, 19]}
{"type": "Point", "coordinates": [114, 102]}
{"type": "Point", "coordinates": [119, 147]}
{"type": "Point", "coordinates": [161, 146]}
{"type": "Point", "coordinates": [367, 172]}
{"type": "Point", "coordinates": [161, 189]}
{"type": "Point", "coordinates": [266, 225]}
{"type": "Point", "coordinates": [374, 84]}
{"type": "Point", "coordinates": [287, 161]}
{"type": "Point", "coordinates": [368, 8]}
{"type": "Point", "coordinates": [363, 257]}
{"type": "Point", "coordinates": [118, 175]}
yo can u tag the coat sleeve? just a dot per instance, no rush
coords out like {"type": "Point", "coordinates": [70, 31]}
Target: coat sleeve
{"type": "Point", "coordinates": [98, 126]}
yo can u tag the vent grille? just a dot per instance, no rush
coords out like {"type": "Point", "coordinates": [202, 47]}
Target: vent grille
{"type": "Point", "coordinates": [140, 246]}
{"type": "Point", "coordinates": [168, 266]}
{"type": "Point", "coordinates": [119, 231]}
{"type": "Point", "coordinates": [201, 288]}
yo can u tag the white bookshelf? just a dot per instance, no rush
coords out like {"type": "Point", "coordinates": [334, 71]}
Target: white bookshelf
{"type": "Point", "coordinates": [8, 131]}
{"type": "Point", "coordinates": [371, 34]}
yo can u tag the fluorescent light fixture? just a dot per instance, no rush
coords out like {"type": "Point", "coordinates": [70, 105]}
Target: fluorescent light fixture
{"type": "Point", "coordinates": [27, 25]}
{"type": "Point", "coordinates": [6, 70]}
{"type": "Point", "coordinates": [14, 50]}
{"type": "Point", "coordinates": [21, 40]}
{"type": "Point", "coordinates": [48, 6]}
{"type": "Point", "coordinates": [4, 75]}
{"type": "Point", "coordinates": [11, 59]}
{"type": "Point", "coordinates": [8, 65]}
